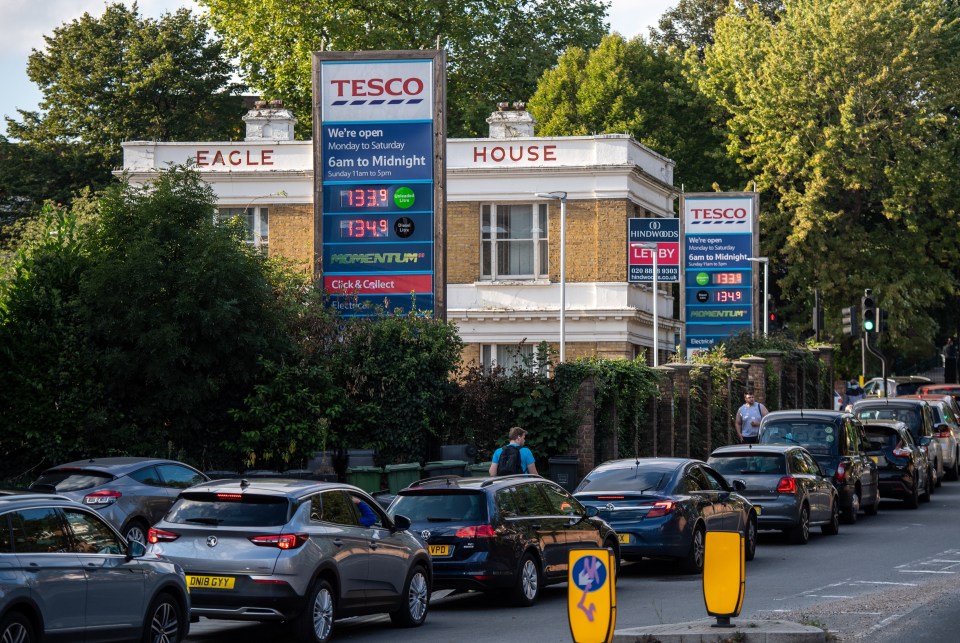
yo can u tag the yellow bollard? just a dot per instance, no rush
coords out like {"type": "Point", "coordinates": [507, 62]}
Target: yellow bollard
{"type": "Point", "coordinates": [591, 595]}
{"type": "Point", "coordinates": [723, 575]}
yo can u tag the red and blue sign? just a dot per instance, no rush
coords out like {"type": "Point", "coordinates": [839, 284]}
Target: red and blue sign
{"type": "Point", "coordinates": [377, 163]}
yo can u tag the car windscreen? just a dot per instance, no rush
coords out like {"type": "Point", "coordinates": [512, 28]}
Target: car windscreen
{"type": "Point", "coordinates": [441, 507]}
{"type": "Point", "coordinates": [819, 438]}
{"type": "Point", "coordinates": [908, 388]}
{"type": "Point", "coordinates": [71, 480]}
{"type": "Point", "coordinates": [747, 463]}
{"type": "Point", "coordinates": [909, 416]}
{"type": "Point", "coordinates": [635, 478]}
{"type": "Point", "coordinates": [881, 437]}
{"type": "Point", "coordinates": [230, 510]}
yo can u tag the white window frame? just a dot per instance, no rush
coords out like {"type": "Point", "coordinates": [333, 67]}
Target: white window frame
{"type": "Point", "coordinates": [257, 234]}
{"type": "Point", "coordinates": [494, 242]}
{"type": "Point", "coordinates": [509, 356]}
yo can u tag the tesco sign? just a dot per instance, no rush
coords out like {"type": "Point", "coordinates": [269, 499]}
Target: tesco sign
{"type": "Point", "coordinates": [377, 91]}
{"type": "Point", "coordinates": [730, 214]}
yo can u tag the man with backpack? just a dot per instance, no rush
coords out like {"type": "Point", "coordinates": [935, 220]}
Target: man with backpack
{"type": "Point", "coordinates": [513, 458]}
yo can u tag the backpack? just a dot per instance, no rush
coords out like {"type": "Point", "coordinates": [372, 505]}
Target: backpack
{"type": "Point", "coordinates": [509, 462]}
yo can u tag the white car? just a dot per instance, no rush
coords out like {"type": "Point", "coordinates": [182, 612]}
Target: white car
{"type": "Point", "coordinates": [874, 388]}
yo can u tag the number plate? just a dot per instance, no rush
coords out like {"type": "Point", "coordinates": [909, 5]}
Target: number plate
{"type": "Point", "coordinates": [624, 539]}
{"type": "Point", "coordinates": [875, 458]}
{"type": "Point", "coordinates": [758, 508]}
{"type": "Point", "coordinates": [439, 550]}
{"type": "Point", "coordinates": [210, 582]}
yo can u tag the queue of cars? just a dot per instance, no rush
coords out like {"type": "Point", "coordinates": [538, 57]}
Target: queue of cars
{"type": "Point", "coordinates": [303, 554]}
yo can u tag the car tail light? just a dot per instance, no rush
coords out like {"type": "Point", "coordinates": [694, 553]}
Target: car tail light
{"type": "Point", "coordinates": [609, 497]}
{"type": "Point", "coordinates": [901, 451]}
{"type": "Point", "coordinates": [155, 536]}
{"type": "Point", "coordinates": [787, 484]}
{"type": "Point", "coordinates": [944, 434]}
{"type": "Point", "coordinates": [230, 497]}
{"type": "Point", "coordinates": [661, 508]}
{"type": "Point", "coordinates": [283, 541]}
{"type": "Point", "coordinates": [103, 498]}
{"type": "Point", "coordinates": [841, 475]}
{"type": "Point", "coordinates": [477, 531]}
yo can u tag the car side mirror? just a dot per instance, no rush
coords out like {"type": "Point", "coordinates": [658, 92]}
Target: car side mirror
{"type": "Point", "coordinates": [591, 511]}
{"type": "Point", "coordinates": [739, 485]}
{"type": "Point", "coordinates": [401, 523]}
{"type": "Point", "coordinates": [135, 549]}
{"type": "Point", "coordinates": [925, 441]}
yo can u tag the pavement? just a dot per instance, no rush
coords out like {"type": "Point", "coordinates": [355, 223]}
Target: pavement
{"type": "Point", "coordinates": [743, 631]}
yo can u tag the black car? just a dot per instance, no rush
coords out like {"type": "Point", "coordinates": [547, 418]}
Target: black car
{"type": "Point", "coordinates": [664, 507]}
{"type": "Point", "coordinates": [919, 418]}
{"type": "Point", "coordinates": [509, 533]}
{"type": "Point", "coordinates": [786, 486]}
{"type": "Point", "coordinates": [835, 440]}
{"type": "Point", "coordinates": [901, 463]}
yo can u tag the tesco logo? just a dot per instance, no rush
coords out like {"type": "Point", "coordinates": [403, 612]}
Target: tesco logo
{"type": "Point", "coordinates": [378, 87]}
{"type": "Point", "coordinates": [719, 214]}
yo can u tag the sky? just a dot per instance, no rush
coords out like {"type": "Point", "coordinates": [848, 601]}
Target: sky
{"type": "Point", "coordinates": [24, 23]}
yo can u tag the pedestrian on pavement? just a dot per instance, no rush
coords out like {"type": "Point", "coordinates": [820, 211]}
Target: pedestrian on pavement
{"type": "Point", "coordinates": [949, 362]}
{"type": "Point", "coordinates": [513, 458]}
{"type": "Point", "coordinates": [748, 419]}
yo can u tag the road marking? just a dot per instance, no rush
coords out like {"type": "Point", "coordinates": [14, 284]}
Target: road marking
{"type": "Point", "coordinates": [833, 596]}
{"type": "Point", "coordinates": [883, 623]}
{"type": "Point", "coordinates": [923, 571]}
{"type": "Point", "coordinates": [864, 613]}
{"type": "Point", "coordinates": [881, 582]}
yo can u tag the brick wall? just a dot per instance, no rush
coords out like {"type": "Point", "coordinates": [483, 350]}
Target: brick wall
{"type": "Point", "coordinates": [463, 243]}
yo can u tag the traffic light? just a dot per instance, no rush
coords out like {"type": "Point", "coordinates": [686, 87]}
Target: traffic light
{"type": "Point", "coordinates": [882, 315]}
{"type": "Point", "coordinates": [775, 321]}
{"type": "Point", "coordinates": [851, 327]}
{"type": "Point", "coordinates": [869, 307]}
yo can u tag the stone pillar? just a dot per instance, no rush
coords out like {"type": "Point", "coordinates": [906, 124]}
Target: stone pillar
{"type": "Point", "coordinates": [682, 384]}
{"type": "Point", "coordinates": [664, 422]}
{"type": "Point", "coordinates": [706, 375]}
{"type": "Point", "coordinates": [826, 356]}
{"type": "Point", "coordinates": [775, 397]}
{"type": "Point", "coordinates": [586, 432]}
{"type": "Point", "coordinates": [757, 378]}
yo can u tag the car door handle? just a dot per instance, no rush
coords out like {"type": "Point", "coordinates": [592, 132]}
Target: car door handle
{"type": "Point", "coordinates": [373, 544]}
{"type": "Point", "coordinates": [338, 542]}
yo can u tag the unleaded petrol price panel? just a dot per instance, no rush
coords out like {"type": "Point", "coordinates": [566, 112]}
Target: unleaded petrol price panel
{"type": "Point", "coordinates": [378, 184]}
{"type": "Point", "coordinates": [718, 275]}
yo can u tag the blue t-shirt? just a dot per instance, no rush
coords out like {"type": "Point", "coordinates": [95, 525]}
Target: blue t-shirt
{"type": "Point", "coordinates": [526, 457]}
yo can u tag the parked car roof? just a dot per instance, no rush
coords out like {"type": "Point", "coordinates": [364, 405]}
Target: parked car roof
{"type": "Point", "coordinates": [117, 466]}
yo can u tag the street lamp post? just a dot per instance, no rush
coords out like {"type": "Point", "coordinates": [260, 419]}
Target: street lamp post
{"type": "Point", "coordinates": [562, 197]}
{"type": "Point", "coordinates": [655, 250]}
{"type": "Point", "coordinates": [766, 296]}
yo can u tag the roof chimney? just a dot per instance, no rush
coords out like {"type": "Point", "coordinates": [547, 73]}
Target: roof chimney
{"type": "Point", "coordinates": [511, 123]}
{"type": "Point", "coordinates": [269, 121]}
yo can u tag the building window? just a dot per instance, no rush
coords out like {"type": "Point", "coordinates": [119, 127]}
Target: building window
{"type": "Point", "coordinates": [511, 357]}
{"type": "Point", "coordinates": [513, 240]}
{"type": "Point", "coordinates": [256, 222]}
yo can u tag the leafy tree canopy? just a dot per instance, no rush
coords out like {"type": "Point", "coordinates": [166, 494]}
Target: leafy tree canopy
{"type": "Point", "coordinates": [690, 24]}
{"type": "Point", "coordinates": [846, 114]}
{"type": "Point", "coordinates": [497, 48]}
{"type": "Point", "coordinates": [632, 87]}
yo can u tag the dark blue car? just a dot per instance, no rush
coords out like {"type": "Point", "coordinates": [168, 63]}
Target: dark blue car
{"type": "Point", "coordinates": [663, 507]}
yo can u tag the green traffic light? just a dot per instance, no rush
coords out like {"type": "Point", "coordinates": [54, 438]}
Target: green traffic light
{"type": "Point", "coordinates": [868, 325]}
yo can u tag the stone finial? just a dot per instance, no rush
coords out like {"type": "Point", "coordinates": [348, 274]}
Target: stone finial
{"type": "Point", "coordinates": [269, 121]}
{"type": "Point", "coordinates": [515, 123]}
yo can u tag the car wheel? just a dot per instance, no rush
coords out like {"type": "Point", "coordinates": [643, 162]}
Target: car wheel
{"type": "Point", "coordinates": [693, 563]}
{"type": "Point", "coordinates": [614, 548]}
{"type": "Point", "coordinates": [800, 534]}
{"type": "Point", "coordinates": [832, 528]}
{"type": "Point", "coordinates": [872, 509]}
{"type": "Point", "coordinates": [136, 530]}
{"type": "Point", "coordinates": [937, 468]}
{"type": "Point", "coordinates": [913, 500]}
{"type": "Point", "coordinates": [417, 594]}
{"type": "Point", "coordinates": [526, 591]}
{"type": "Point", "coordinates": [16, 628]}
{"type": "Point", "coordinates": [954, 472]}
{"type": "Point", "coordinates": [850, 514]}
{"type": "Point", "coordinates": [165, 623]}
{"type": "Point", "coordinates": [750, 538]}
{"type": "Point", "coordinates": [315, 623]}
{"type": "Point", "coordinates": [927, 488]}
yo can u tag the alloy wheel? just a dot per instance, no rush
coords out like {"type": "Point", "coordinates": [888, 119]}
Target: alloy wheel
{"type": "Point", "coordinates": [418, 597]}
{"type": "Point", "coordinates": [529, 580]}
{"type": "Point", "coordinates": [323, 614]}
{"type": "Point", "coordinates": [165, 624]}
{"type": "Point", "coordinates": [15, 633]}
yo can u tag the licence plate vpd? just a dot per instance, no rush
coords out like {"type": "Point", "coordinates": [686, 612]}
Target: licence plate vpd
{"type": "Point", "coordinates": [439, 550]}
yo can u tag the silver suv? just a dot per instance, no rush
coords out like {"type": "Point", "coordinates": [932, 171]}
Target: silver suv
{"type": "Point", "coordinates": [68, 575]}
{"type": "Point", "coordinates": [297, 551]}
{"type": "Point", "coordinates": [131, 493]}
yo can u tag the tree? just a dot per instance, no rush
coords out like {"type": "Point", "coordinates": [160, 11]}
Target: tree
{"type": "Point", "coordinates": [110, 79]}
{"type": "Point", "coordinates": [690, 24]}
{"type": "Point", "coordinates": [632, 87]}
{"type": "Point", "coordinates": [497, 48]}
{"type": "Point", "coordinates": [846, 114]}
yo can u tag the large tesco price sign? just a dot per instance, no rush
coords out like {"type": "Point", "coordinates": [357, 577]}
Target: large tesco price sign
{"type": "Point", "coordinates": [379, 143]}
